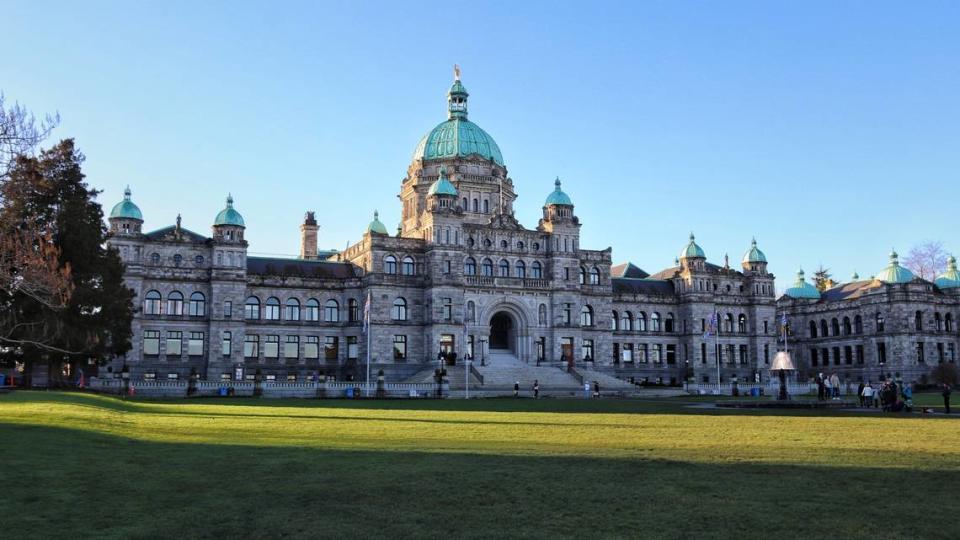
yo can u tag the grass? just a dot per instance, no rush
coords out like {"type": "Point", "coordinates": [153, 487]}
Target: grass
{"type": "Point", "coordinates": [81, 465]}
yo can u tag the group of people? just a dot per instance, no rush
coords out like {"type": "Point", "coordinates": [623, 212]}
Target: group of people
{"type": "Point", "coordinates": [828, 387]}
{"type": "Point", "coordinates": [536, 389]}
{"type": "Point", "coordinates": [888, 395]}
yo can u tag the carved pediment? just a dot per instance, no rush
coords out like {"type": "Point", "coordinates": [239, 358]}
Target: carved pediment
{"type": "Point", "coordinates": [506, 221]}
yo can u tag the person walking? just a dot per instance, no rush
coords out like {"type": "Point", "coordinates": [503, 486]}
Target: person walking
{"type": "Point", "coordinates": [828, 387]}
{"type": "Point", "coordinates": [596, 389]}
{"type": "Point", "coordinates": [947, 390]}
{"type": "Point", "coordinates": [516, 389]}
{"type": "Point", "coordinates": [835, 383]}
{"type": "Point", "coordinates": [907, 397]}
{"type": "Point", "coordinates": [821, 389]}
{"type": "Point", "coordinates": [866, 395]}
{"type": "Point", "coordinates": [860, 389]}
{"type": "Point", "coordinates": [536, 389]}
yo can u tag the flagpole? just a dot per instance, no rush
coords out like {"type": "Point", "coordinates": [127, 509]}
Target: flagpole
{"type": "Point", "coordinates": [367, 327]}
{"type": "Point", "coordinates": [368, 361]}
{"type": "Point", "coordinates": [716, 346]}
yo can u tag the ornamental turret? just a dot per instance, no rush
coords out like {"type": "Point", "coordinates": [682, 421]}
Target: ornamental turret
{"type": "Point", "coordinates": [894, 273]}
{"type": "Point", "coordinates": [228, 226]}
{"type": "Point", "coordinates": [693, 257]}
{"type": "Point", "coordinates": [558, 207]}
{"type": "Point", "coordinates": [950, 279]}
{"type": "Point", "coordinates": [801, 289]}
{"type": "Point", "coordinates": [442, 194]}
{"type": "Point", "coordinates": [125, 217]}
{"type": "Point", "coordinates": [376, 226]}
{"type": "Point", "coordinates": [754, 260]}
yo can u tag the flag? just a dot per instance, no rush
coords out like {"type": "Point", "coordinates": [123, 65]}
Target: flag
{"type": "Point", "coordinates": [711, 326]}
{"type": "Point", "coordinates": [366, 312]}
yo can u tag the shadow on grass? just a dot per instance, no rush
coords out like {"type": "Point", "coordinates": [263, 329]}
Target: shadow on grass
{"type": "Point", "coordinates": [69, 483]}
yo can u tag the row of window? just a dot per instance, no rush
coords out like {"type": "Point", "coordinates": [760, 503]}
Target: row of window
{"type": "Point", "coordinates": [625, 321]}
{"type": "Point", "coordinates": [153, 304]}
{"type": "Point", "coordinates": [846, 327]}
{"type": "Point", "coordinates": [503, 268]}
{"type": "Point", "coordinates": [504, 245]}
{"type": "Point", "coordinates": [270, 310]}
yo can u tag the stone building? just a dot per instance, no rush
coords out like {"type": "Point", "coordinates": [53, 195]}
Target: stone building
{"type": "Point", "coordinates": [461, 275]}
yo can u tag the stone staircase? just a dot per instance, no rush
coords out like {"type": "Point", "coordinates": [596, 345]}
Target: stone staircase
{"type": "Point", "coordinates": [607, 382]}
{"type": "Point", "coordinates": [503, 369]}
{"type": "Point", "coordinates": [455, 377]}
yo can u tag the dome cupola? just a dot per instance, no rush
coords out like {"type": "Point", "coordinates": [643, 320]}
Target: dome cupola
{"type": "Point", "coordinates": [802, 289]}
{"type": "Point", "coordinates": [894, 273]}
{"type": "Point", "coordinates": [126, 209]}
{"type": "Point", "coordinates": [754, 255]}
{"type": "Point", "coordinates": [229, 216]}
{"type": "Point", "coordinates": [692, 251]}
{"type": "Point", "coordinates": [442, 186]}
{"type": "Point", "coordinates": [376, 226]}
{"type": "Point", "coordinates": [950, 279]}
{"type": "Point", "coordinates": [557, 196]}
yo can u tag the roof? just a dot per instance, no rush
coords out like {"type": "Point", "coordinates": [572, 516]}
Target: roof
{"type": "Point", "coordinates": [557, 196]}
{"type": "Point", "coordinates": [657, 287]}
{"type": "Point", "coordinates": [628, 270]}
{"type": "Point", "coordinates": [668, 273]}
{"type": "Point", "coordinates": [442, 185]}
{"type": "Point", "coordinates": [951, 278]}
{"type": "Point", "coordinates": [169, 234]}
{"type": "Point", "coordinates": [894, 273]}
{"type": "Point", "coordinates": [125, 209]}
{"type": "Point", "coordinates": [273, 266]}
{"type": "Point", "coordinates": [802, 289]}
{"type": "Point", "coordinates": [376, 226]}
{"type": "Point", "coordinates": [457, 136]}
{"type": "Point", "coordinates": [754, 255]}
{"type": "Point", "coordinates": [848, 291]}
{"type": "Point", "coordinates": [692, 250]}
{"type": "Point", "coordinates": [229, 216]}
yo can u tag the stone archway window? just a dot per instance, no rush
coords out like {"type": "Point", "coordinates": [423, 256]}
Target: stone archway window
{"type": "Point", "coordinates": [390, 264]}
{"type": "Point", "coordinates": [536, 270]}
{"type": "Point", "coordinates": [470, 266]}
{"type": "Point", "coordinates": [175, 303]}
{"type": "Point", "coordinates": [399, 311]}
{"type": "Point", "coordinates": [151, 303]}
{"type": "Point", "coordinates": [521, 270]}
{"type": "Point", "coordinates": [594, 276]}
{"type": "Point", "coordinates": [504, 268]}
{"type": "Point", "coordinates": [409, 266]}
{"type": "Point", "coordinates": [655, 322]}
{"type": "Point", "coordinates": [487, 268]}
{"type": "Point", "coordinates": [586, 316]}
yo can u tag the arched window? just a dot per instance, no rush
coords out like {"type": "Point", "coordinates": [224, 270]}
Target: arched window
{"type": "Point", "coordinates": [641, 325]}
{"type": "Point", "coordinates": [728, 323]}
{"type": "Point", "coordinates": [399, 311]}
{"type": "Point", "coordinates": [465, 206]}
{"type": "Point", "coordinates": [271, 310]}
{"type": "Point", "coordinates": [155, 258]}
{"type": "Point", "coordinates": [504, 268]}
{"type": "Point", "coordinates": [626, 321]}
{"type": "Point", "coordinates": [615, 321]}
{"type": "Point", "coordinates": [918, 321]}
{"type": "Point", "coordinates": [353, 310]}
{"type": "Point", "coordinates": [198, 305]}
{"type": "Point", "coordinates": [292, 310]}
{"type": "Point", "coordinates": [742, 324]}
{"type": "Point", "coordinates": [542, 315]}
{"type": "Point", "coordinates": [486, 243]}
{"type": "Point", "coordinates": [858, 325]}
{"type": "Point", "coordinates": [586, 316]}
{"type": "Point", "coordinates": [409, 267]}
{"type": "Point", "coordinates": [880, 322]}
{"type": "Point", "coordinates": [847, 327]}
{"type": "Point", "coordinates": [521, 270]}
{"type": "Point", "coordinates": [813, 329]}
{"type": "Point", "coordinates": [151, 303]}
{"type": "Point", "coordinates": [536, 270]}
{"type": "Point", "coordinates": [486, 206]}
{"type": "Point", "coordinates": [835, 327]}
{"type": "Point", "coordinates": [668, 323]}
{"type": "Point", "coordinates": [390, 264]}
{"type": "Point", "coordinates": [655, 322]}
{"type": "Point", "coordinates": [594, 276]}
{"type": "Point", "coordinates": [476, 205]}
{"type": "Point", "coordinates": [486, 268]}
{"type": "Point", "coordinates": [331, 311]}
{"type": "Point", "coordinates": [470, 266]}
{"type": "Point", "coordinates": [824, 331]}
{"type": "Point", "coordinates": [520, 246]}
{"type": "Point", "coordinates": [948, 322]}
{"type": "Point", "coordinates": [503, 244]}
{"type": "Point", "coordinates": [311, 311]}
{"type": "Point", "coordinates": [938, 322]}
{"type": "Point", "coordinates": [471, 312]}
{"type": "Point", "coordinates": [251, 309]}
{"type": "Point", "coordinates": [175, 303]}
{"type": "Point", "coordinates": [583, 275]}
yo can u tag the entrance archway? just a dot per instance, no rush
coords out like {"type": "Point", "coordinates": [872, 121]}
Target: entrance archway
{"type": "Point", "coordinates": [501, 331]}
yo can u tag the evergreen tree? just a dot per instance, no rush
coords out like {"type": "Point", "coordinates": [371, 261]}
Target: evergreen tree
{"type": "Point", "coordinates": [822, 279]}
{"type": "Point", "coordinates": [48, 193]}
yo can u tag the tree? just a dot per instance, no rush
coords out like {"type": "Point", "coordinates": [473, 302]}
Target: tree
{"type": "Point", "coordinates": [946, 373]}
{"type": "Point", "coordinates": [48, 193]}
{"type": "Point", "coordinates": [20, 134]}
{"type": "Point", "coordinates": [926, 260]}
{"type": "Point", "coordinates": [822, 279]}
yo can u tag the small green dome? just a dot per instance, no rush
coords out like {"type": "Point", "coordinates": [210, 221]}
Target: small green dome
{"type": "Point", "coordinates": [754, 255]}
{"type": "Point", "coordinates": [557, 196]}
{"type": "Point", "coordinates": [692, 250]}
{"type": "Point", "coordinates": [855, 276]}
{"type": "Point", "coordinates": [442, 186]}
{"type": "Point", "coordinates": [376, 226]}
{"type": "Point", "coordinates": [802, 289]}
{"type": "Point", "coordinates": [951, 278]}
{"type": "Point", "coordinates": [457, 137]}
{"type": "Point", "coordinates": [125, 209]}
{"type": "Point", "coordinates": [894, 273]}
{"type": "Point", "coordinates": [229, 216]}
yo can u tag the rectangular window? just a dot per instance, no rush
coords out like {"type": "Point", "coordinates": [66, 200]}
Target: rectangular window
{"type": "Point", "coordinates": [311, 347]}
{"type": "Point", "coordinates": [227, 309]}
{"type": "Point", "coordinates": [446, 267]}
{"type": "Point", "coordinates": [920, 358]}
{"type": "Point", "coordinates": [271, 348]}
{"type": "Point", "coordinates": [766, 353]}
{"type": "Point", "coordinates": [448, 309]}
{"type": "Point", "coordinates": [671, 354]}
{"type": "Point", "coordinates": [813, 357]}
{"type": "Point", "coordinates": [150, 376]}
{"type": "Point", "coordinates": [950, 352]}
{"type": "Point", "coordinates": [848, 355]}
{"type": "Point", "coordinates": [743, 354]}
{"type": "Point", "coordinates": [291, 349]}
{"type": "Point", "coordinates": [860, 358]}
{"type": "Point", "coordinates": [447, 343]}
{"type": "Point", "coordinates": [627, 352]}
{"type": "Point", "coordinates": [174, 343]}
{"type": "Point", "coordinates": [566, 274]}
{"type": "Point", "coordinates": [151, 342]}
{"type": "Point", "coordinates": [352, 347]}
{"type": "Point", "coordinates": [656, 353]}
{"type": "Point", "coordinates": [251, 346]}
{"type": "Point", "coordinates": [587, 349]}
{"type": "Point", "coordinates": [836, 356]}
{"type": "Point", "coordinates": [567, 313]}
{"type": "Point", "coordinates": [331, 347]}
{"type": "Point", "coordinates": [731, 354]}
{"type": "Point", "coordinates": [225, 344]}
{"type": "Point", "coordinates": [703, 353]}
{"type": "Point", "coordinates": [765, 330]}
{"type": "Point", "coordinates": [195, 345]}
{"type": "Point", "coordinates": [399, 347]}
{"type": "Point", "coordinates": [643, 353]}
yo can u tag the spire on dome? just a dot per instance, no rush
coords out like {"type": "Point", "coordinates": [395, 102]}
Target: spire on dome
{"type": "Point", "coordinates": [457, 97]}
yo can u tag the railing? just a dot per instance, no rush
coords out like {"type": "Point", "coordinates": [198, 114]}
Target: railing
{"type": "Point", "coordinates": [572, 370]}
{"type": "Point", "coordinates": [476, 373]}
{"type": "Point", "coordinates": [771, 388]}
{"type": "Point", "coordinates": [307, 389]}
{"type": "Point", "coordinates": [513, 282]}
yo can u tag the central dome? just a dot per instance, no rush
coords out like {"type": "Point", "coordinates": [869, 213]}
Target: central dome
{"type": "Point", "coordinates": [457, 137]}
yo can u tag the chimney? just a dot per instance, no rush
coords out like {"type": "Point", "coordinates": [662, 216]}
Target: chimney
{"type": "Point", "coordinates": [308, 237]}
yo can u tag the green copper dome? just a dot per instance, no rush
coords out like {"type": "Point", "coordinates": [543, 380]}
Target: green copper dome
{"type": "Point", "coordinates": [754, 255]}
{"type": "Point", "coordinates": [692, 250]}
{"type": "Point", "coordinates": [457, 137]}
{"type": "Point", "coordinates": [229, 216]}
{"type": "Point", "coordinates": [557, 196]}
{"type": "Point", "coordinates": [802, 289]}
{"type": "Point", "coordinates": [951, 278]}
{"type": "Point", "coordinates": [894, 273]}
{"type": "Point", "coordinates": [376, 226]}
{"type": "Point", "coordinates": [442, 186]}
{"type": "Point", "coordinates": [125, 209]}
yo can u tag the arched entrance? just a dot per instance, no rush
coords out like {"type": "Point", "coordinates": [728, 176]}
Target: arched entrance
{"type": "Point", "coordinates": [501, 331]}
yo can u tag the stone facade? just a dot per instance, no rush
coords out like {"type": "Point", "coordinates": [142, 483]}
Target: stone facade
{"type": "Point", "coordinates": [463, 275]}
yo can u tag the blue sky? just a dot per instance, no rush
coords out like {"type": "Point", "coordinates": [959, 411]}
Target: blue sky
{"type": "Point", "coordinates": [828, 130]}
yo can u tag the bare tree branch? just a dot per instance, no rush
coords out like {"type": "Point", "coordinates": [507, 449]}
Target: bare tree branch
{"type": "Point", "coordinates": [926, 260]}
{"type": "Point", "coordinates": [20, 133]}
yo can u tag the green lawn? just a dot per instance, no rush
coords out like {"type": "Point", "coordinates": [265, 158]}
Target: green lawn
{"type": "Point", "coordinates": [80, 465]}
